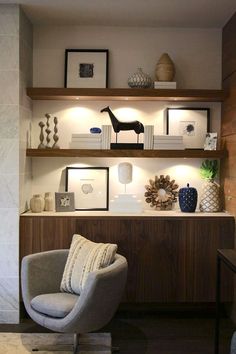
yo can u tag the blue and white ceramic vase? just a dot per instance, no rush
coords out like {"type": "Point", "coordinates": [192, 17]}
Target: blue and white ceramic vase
{"type": "Point", "coordinates": [188, 199]}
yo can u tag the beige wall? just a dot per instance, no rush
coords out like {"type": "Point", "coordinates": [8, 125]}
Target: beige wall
{"type": "Point", "coordinates": [195, 52]}
{"type": "Point", "coordinates": [197, 57]}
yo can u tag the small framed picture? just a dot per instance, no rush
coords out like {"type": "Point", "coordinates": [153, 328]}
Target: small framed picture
{"type": "Point", "coordinates": [211, 141]}
{"type": "Point", "coordinates": [90, 185]}
{"type": "Point", "coordinates": [191, 123]}
{"type": "Point", "coordinates": [65, 201]}
{"type": "Point", "coordinates": [86, 68]}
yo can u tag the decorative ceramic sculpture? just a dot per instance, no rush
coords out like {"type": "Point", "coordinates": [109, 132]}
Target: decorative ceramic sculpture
{"type": "Point", "coordinates": [118, 126]}
{"type": "Point", "coordinates": [139, 80]}
{"type": "Point", "coordinates": [161, 193]}
{"type": "Point", "coordinates": [41, 136]}
{"type": "Point", "coordinates": [125, 203]}
{"type": "Point", "coordinates": [188, 199]}
{"type": "Point", "coordinates": [37, 203]}
{"type": "Point", "coordinates": [95, 130]}
{"type": "Point", "coordinates": [55, 135]}
{"type": "Point", "coordinates": [125, 171]}
{"type": "Point", "coordinates": [49, 202]}
{"type": "Point", "coordinates": [165, 69]}
{"type": "Point", "coordinates": [47, 130]}
{"type": "Point", "coordinates": [210, 196]}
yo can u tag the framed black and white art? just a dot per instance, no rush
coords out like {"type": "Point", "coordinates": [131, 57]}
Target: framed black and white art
{"type": "Point", "coordinates": [86, 68]}
{"type": "Point", "coordinates": [64, 202]}
{"type": "Point", "coordinates": [90, 186]}
{"type": "Point", "coordinates": [191, 123]}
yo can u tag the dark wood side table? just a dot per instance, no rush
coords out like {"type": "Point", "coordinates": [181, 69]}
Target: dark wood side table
{"type": "Point", "coordinates": [228, 257]}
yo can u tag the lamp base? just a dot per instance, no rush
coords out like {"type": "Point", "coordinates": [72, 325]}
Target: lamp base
{"type": "Point", "coordinates": [126, 203]}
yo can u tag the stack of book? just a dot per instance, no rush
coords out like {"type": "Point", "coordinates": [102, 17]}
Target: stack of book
{"type": "Point", "coordinates": [148, 137]}
{"type": "Point", "coordinates": [165, 84]}
{"type": "Point", "coordinates": [106, 137]}
{"type": "Point", "coordinates": [168, 142]}
{"type": "Point", "coordinates": [86, 141]}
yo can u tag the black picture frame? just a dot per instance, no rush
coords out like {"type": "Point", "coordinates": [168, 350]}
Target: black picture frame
{"type": "Point", "coordinates": [86, 68]}
{"type": "Point", "coordinates": [193, 123]}
{"type": "Point", "coordinates": [90, 186]}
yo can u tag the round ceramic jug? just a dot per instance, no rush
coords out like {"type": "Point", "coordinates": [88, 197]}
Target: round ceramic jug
{"type": "Point", "coordinates": [139, 80]}
{"type": "Point", "coordinates": [37, 203]}
{"type": "Point", "coordinates": [188, 199]}
{"type": "Point", "coordinates": [48, 202]}
{"type": "Point", "coordinates": [165, 69]}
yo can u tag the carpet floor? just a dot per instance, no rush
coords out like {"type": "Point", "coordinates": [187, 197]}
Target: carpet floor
{"type": "Point", "coordinates": [23, 343]}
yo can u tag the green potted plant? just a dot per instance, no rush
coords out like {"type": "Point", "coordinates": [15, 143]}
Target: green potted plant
{"type": "Point", "coordinates": [210, 196]}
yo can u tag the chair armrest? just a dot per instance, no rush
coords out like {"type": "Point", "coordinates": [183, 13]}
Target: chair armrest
{"type": "Point", "coordinates": [100, 297]}
{"type": "Point", "coordinates": [42, 273]}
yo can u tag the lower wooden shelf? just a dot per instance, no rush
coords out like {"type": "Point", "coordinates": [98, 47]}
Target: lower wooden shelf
{"type": "Point", "coordinates": [127, 153]}
{"type": "Point", "coordinates": [171, 259]}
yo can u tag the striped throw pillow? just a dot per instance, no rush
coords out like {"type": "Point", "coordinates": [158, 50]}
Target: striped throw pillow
{"type": "Point", "coordinates": [84, 257]}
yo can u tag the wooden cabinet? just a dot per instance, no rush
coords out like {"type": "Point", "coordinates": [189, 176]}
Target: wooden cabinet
{"type": "Point", "coordinates": [171, 259]}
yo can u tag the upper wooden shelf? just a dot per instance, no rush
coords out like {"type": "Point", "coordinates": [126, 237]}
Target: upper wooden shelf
{"type": "Point", "coordinates": [40, 93]}
{"type": "Point", "coordinates": [126, 153]}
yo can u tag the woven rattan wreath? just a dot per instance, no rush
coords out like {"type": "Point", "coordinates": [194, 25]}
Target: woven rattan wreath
{"type": "Point", "coordinates": [161, 192]}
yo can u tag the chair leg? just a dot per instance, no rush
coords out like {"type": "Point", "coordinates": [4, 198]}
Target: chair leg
{"type": "Point", "coordinates": [76, 343]}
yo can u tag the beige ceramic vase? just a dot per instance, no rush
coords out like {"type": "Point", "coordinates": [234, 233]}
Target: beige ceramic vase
{"type": "Point", "coordinates": [48, 202]}
{"type": "Point", "coordinates": [210, 197]}
{"type": "Point", "coordinates": [165, 69]}
{"type": "Point", "coordinates": [37, 203]}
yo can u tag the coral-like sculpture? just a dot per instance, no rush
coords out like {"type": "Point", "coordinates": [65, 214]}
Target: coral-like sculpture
{"type": "Point", "coordinates": [161, 193]}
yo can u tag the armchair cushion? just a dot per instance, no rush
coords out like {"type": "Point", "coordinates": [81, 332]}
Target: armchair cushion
{"type": "Point", "coordinates": [54, 305]}
{"type": "Point", "coordinates": [84, 257]}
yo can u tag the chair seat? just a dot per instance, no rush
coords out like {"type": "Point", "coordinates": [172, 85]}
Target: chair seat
{"type": "Point", "coordinates": [55, 304]}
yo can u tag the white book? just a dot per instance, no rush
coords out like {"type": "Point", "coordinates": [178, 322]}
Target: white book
{"type": "Point", "coordinates": [168, 137]}
{"type": "Point", "coordinates": [165, 84]}
{"type": "Point", "coordinates": [97, 139]}
{"type": "Point", "coordinates": [148, 137]}
{"type": "Point", "coordinates": [174, 141]}
{"type": "Point", "coordinates": [106, 137]}
{"type": "Point", "coordinates": [168, 147]}
{"type": "Point", "coordinates": [85, 135]}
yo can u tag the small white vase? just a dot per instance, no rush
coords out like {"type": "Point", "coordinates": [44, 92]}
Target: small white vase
{"type": "Point", "coordinates": [37, 203]}
{"type": "Point", "coordinates": [48, 198]}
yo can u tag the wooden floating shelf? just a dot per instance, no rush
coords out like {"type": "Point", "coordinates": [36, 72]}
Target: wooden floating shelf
{"type": "Point", "coordinates": [102, 94]}
{"type": "Point", "coordinates": [127, 153]}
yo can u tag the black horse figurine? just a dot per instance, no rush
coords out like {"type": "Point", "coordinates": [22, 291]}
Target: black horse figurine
{"type": "Point", "coordinates": [118, 126]}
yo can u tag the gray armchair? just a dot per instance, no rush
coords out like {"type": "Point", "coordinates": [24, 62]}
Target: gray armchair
{"type": "Point", "coordinates": [41, 275]}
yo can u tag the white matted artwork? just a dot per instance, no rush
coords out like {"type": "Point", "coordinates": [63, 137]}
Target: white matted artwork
{"type": "Point", "coordinates": [191, 123]}
{"type": "Point", "coordinates": [90, 186]}
{"type": "Point", "coordinates": [211, 141]}
{"type": "Point", "coordinates": [86, 68]}
{"type": "Point", "coordinates": [64, 202]}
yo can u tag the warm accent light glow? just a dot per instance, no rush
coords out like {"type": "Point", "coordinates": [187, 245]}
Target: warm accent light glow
{"type": "Point", "coordinates": [127, 114]}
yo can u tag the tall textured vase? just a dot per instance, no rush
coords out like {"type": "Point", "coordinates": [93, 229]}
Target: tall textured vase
{"type": "Point", "coordinates": [210, 197]}
{"type": "Point", "coordinates": [165, 69]}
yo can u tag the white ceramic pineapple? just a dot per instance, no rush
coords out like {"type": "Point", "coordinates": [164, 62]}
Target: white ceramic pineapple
{"type": "Point", "coordinates": [210, 195]}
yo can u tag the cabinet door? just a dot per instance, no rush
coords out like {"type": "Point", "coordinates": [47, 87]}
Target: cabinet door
{"type": "Point", "coordinates": [171, 260]}
{"type": "Point", "coordinates": [38, 234]}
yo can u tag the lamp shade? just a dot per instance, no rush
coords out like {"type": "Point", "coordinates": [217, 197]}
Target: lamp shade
{"type": "Point", "coordinates": [125, 170]}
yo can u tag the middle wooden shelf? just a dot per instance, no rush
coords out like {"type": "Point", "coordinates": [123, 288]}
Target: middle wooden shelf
{"type": "Point", "coordinates": [218, 154]}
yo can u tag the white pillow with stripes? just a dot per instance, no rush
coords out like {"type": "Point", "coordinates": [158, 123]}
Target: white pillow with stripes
{"type": "Point", "coordinates": [84, 257]}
